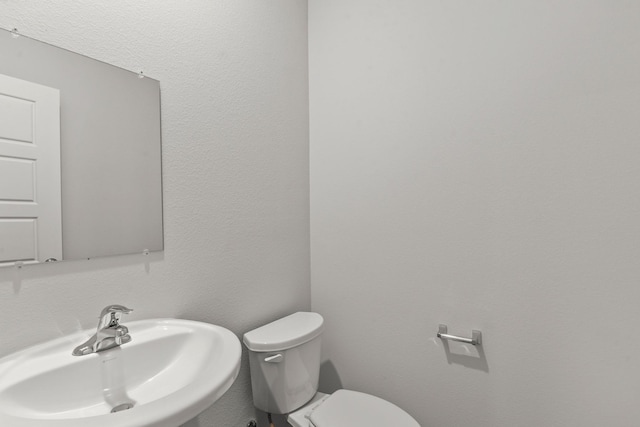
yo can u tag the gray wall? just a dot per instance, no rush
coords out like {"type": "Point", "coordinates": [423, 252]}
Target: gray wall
{"type": "Point", "coordinates": [235, 170]}
{"type": "Point", "coordinates": [476, 164]}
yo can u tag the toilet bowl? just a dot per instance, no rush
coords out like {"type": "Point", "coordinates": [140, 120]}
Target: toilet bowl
{"type": "Point", "coordinates": [346, 408]}
{"type": "Point", "coordinates": [284, 358]}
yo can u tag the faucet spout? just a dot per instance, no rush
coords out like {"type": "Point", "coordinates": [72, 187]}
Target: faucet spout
{"type": "Point", "coordinates": [109, 333]}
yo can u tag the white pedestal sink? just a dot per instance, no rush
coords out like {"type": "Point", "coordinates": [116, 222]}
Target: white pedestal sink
{"type": "Point", "coordinates": [170, 372]}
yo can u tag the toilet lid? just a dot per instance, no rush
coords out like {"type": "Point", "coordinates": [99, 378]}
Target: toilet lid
{"type": "Point", "coordinates": [346, 408]}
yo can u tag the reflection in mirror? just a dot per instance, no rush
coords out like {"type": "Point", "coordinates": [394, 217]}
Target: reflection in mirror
{"type": "Point", "coordinates": [80, 156]}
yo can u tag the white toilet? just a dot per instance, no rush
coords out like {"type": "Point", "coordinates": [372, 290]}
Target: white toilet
{"type": "Point", "coordinates": [284, 359]}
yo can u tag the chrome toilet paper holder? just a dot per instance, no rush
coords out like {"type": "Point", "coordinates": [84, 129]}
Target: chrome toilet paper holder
{"type": "Point", "coordinates": [476, 336]}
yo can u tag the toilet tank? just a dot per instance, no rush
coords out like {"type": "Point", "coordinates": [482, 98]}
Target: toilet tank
{"type": "Point", "coordinates": [284, 359]}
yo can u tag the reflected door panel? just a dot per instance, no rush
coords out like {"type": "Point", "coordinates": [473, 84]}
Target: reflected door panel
{"type": "Point", "coordinates": [30, 208]}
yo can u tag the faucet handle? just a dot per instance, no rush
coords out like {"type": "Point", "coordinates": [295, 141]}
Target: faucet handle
{"type": "Point", "coordinates": [110, 315]}
{"type": "Point", "coordinates": [115, 308]}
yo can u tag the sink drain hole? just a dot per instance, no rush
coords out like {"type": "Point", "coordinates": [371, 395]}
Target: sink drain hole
{"type": "Point", "coordinates": [122, 407]}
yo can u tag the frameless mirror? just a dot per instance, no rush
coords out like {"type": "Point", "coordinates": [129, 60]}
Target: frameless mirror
{"type": "Point", "coordinates": [80, 156]}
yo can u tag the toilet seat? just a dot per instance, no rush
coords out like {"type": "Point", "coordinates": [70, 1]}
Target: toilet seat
{"type": "Point", "coordinates": [346, 408]}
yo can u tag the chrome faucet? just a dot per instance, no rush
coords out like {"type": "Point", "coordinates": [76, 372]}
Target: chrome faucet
{"type": "Point", "coordinates": [109, 334]}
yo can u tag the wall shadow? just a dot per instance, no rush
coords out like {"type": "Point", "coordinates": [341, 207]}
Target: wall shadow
{"type": "Point", "coordinates": [467, 355]}
{"type": "Point", "coordinates": [191, 423]}
{"type": "Point", "coordinates": [263, 420]}
{"type": "Point", "coordinates": [16, 275]}
{"type": "Point", "coordinates": [329, 378]}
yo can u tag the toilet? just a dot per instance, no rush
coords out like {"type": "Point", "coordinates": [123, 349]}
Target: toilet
{"type": "Point", "coordinates": [284, 358]}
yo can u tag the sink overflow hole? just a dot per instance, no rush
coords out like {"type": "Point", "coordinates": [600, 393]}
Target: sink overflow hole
{"type": "Point", "coordinates": [122, 407]}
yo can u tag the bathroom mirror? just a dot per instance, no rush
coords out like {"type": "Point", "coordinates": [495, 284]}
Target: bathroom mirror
{"type": "Point", "coordinates": [109, 190]}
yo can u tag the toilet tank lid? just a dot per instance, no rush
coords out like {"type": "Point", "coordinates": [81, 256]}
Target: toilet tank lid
{"type": "Point", "coordinates": [285, 333]}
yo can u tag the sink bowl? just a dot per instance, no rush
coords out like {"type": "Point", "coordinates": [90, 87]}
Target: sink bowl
{"type": "Point", "coordinates": [170, 372]}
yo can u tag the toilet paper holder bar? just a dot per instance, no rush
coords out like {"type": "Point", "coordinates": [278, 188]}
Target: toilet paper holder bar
{"type": "Point", "coordinates": [476, 336]}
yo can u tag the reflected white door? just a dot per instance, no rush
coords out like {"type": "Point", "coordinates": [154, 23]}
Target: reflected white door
{"type": "Point", "coordinates": [30, 203]}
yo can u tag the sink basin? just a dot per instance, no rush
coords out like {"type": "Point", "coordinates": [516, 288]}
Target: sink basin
{"type": "Point", "coordinates": [170, 372]}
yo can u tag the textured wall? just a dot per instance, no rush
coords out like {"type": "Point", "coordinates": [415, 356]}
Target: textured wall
{"type": "Point", "coordinates": [233, 75]}
{"type": "Point", "coordinates": [476, 163]}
